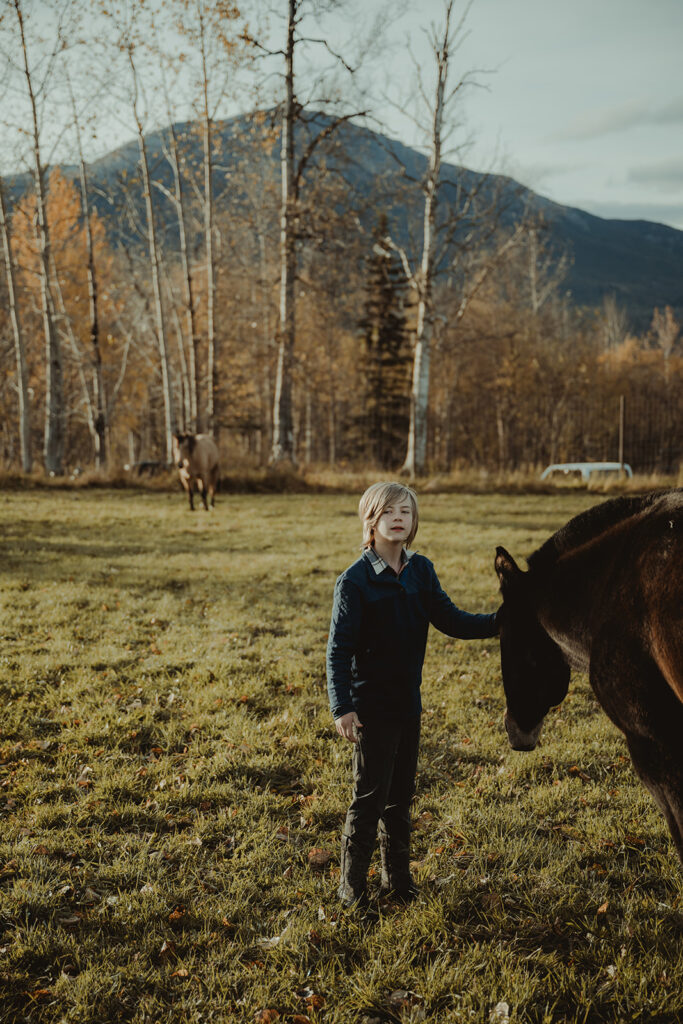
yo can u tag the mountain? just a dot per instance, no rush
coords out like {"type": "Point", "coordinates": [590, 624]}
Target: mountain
{"type": "Point", "coordinates": [638, 262]}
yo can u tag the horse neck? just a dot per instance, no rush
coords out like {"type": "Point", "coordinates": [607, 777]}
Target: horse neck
{"type": "Point", "coordinates": [572, 591]}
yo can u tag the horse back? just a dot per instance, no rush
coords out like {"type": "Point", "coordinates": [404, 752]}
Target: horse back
{"type": "Point", "coordinates": [204, 458]}
{"type": "Point", "coordinates": [660, 569]}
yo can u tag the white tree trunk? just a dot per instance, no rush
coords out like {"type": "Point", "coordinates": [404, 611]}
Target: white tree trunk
{"type": "Point", "coordinates": [169, 418]}
{"type": "Point", "coordinates": [416, 455]}
{"type": "Point", "coordinates": [191, 412]}
{"type": "Point", "coordinates": [212, 355]}
{"type": "Point", "coordinates": [212, 411]}
{"type": "Point", "coordinates": [159, 321]}
{"type": "Point", "coordinates": [99, 418]}
{"type": "Point", "coordinates": [283, 430]}
{"type": "Point", "coordinates": [53, 445]}
{"type": "Point", "coordinates": [19, 349]}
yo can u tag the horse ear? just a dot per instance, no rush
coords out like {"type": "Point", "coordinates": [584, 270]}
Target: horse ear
{"type": "Point", "coordinates": [507, 569]}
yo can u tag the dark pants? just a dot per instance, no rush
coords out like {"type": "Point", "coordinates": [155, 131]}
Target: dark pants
{"type": "Point", "coordinates": [384, 767]}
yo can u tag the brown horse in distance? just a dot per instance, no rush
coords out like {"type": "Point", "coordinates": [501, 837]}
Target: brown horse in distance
{"type": "Point", "coordinates": [604, 595]}
{"type": "Point", "coordinates": [196, 457]}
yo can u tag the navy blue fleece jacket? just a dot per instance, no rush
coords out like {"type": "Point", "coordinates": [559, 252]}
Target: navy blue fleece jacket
{"type": "Point", "coordinates": [378, 635]}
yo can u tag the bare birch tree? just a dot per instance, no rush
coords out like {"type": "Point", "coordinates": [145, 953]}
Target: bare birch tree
{"type": "Point", "coordinates": [283, 426]}
{"type": "Point", "coordinates": [292, 170]}
{"type": "Point", "coordinates": [465, 240]}
{"type": "Point", "coordinates": [19, 347]}
{"type": "Point", "coordinates": [205, 71]}
{"type": "Point", "coordinates": [129, 44]}
{"type": "Point", "coordinates": [189, 337]}
{"type": "Point", "coordinates": [130, 39]}
{"type": "Point", "coordinates": [37, 77]}
{"type": "Point", "coordinates": [97, 421]}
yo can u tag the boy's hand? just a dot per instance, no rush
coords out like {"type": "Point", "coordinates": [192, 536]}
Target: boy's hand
{"type": "Point", "coordinates": [346, 726]}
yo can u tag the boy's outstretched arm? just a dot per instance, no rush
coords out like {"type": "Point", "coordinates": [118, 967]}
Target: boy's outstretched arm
{"type": "Point", "coordinates": [453, 621]}
{"type": "Point", "coordinates": [341, 646]}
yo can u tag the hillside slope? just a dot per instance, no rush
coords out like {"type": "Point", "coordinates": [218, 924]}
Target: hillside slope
{"type": "Point", "coordinates": [639, 262]}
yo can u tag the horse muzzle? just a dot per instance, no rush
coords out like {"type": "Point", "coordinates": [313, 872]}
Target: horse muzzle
{"type": "Point", "coordinates": [517, 738]}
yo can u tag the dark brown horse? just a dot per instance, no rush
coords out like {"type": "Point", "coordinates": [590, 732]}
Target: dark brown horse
{"type": "Point", "coordinates": [604, 595]}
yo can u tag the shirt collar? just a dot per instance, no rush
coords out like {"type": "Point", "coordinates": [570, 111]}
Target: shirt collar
{"type": "Point", "coordinates": [378, 563]}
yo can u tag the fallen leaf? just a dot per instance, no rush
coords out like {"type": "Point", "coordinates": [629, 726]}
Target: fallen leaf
{"type": "Point", "coordinates": [603, 908]}
{"type": "Point", "coordinates": [403, 999]}
{"type": "Point", "coordinates": [182, 973]}
{"type": "Point", "coordinates": [318, 858]}
{"type": "Point", "coordinates": [500, 1014]}
{"type": "Point", "coordinates": [40, 993]}
{"type": "Point", "coordinates": [266, 1016]}
{"type": "Point", "coordinates": [492, 901]}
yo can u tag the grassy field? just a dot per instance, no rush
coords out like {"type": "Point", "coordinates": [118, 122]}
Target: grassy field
{"type": "Point", "coordinates": [168, 763]}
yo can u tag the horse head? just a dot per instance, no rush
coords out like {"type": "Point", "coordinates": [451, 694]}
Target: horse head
{"type": "Point", "coordinates": [535, 673]}
{"type": "Point", "coordinates": [183, 445]}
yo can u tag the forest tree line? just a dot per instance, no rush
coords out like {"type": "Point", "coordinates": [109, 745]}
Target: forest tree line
{"type": "Point", "coordinates": [283, 312]}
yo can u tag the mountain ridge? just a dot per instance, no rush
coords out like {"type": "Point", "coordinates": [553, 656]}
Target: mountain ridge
{"type": "Point", "coordinates": [638, 262]}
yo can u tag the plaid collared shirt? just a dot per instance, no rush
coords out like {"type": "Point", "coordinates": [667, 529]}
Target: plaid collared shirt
{"type": "Point", "coordinates": [378, 563]}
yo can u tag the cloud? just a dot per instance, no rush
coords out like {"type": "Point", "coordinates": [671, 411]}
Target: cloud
{"type": "Point", "coordinates": [624, 117]}
{"type": "Point", "coordinates": [667, 175]}
{"type": "Point", "coordinates": [659, 213]}
{"type": "Point", "coordinates": [538, 175]}
{"type": "Point", "coordinates": [669, 113]}
{"type": "Point", "coordinates": [553, 169]}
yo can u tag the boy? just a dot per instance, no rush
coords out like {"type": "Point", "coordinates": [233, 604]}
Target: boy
{"type": "Point", "coordinates": [383, 605]}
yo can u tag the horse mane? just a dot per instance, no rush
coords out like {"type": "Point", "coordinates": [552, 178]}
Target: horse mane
{"type": "Point", "coordinates": [591, 524]}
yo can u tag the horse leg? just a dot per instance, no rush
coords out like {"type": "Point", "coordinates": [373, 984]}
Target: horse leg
{"type": "Point", "coordinates": [202, 490]}
{"type": "Point", "coordinates": [661, 772]}
{"type": "Point", "coordinates": [190, 494]}
{"type": "Point", "coordinates": [637, 698]}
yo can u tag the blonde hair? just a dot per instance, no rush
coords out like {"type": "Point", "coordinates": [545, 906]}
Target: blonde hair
{"type": "Point", "coordinates": [376, 499]}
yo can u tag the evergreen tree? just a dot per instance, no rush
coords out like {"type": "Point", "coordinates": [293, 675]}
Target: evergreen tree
{"type": "Point", "coordinates": [387, 355]}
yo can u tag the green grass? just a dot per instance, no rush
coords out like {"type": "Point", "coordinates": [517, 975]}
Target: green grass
{"type": "Point", "coordinates": [167, 762]}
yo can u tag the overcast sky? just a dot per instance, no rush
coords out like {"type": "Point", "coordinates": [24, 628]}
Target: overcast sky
{"type": "Point", "coordinates": [586, 102]}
